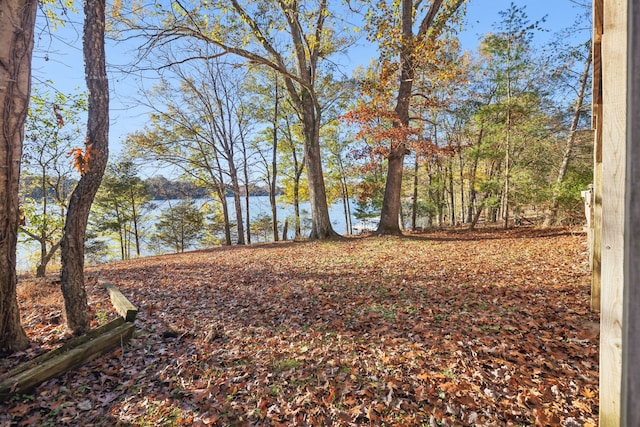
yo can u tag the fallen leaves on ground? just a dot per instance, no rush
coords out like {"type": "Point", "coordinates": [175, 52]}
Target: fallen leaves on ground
{"type": "Point", "coordinates": [447, 328]}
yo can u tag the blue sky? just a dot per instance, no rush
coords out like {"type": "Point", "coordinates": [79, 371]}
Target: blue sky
{"type": "Point", "coordinates": [59, 57]}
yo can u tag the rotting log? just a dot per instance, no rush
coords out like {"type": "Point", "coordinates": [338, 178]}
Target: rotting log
{"type": "Point", "coordinates": [122, 305]}
{"type": "Point", "coordinates": [63, 362]}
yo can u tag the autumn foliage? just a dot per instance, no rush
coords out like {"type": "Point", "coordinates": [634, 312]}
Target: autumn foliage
{"type": "Point", "coordinates": [448, 328]}
{"type": "Point", "coordinates": [82, 158]}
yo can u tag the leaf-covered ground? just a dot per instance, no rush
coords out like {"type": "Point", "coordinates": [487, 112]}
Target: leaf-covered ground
{"type": "Point", "coordinates": [450, 328]}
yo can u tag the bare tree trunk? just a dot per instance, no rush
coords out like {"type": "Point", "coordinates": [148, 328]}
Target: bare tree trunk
{"type": "Point", "coordinates": [237, 202]}
{"type": "Point", "coordinates": [222, 195]}
{"type": "Point", "coordinates": [461, 176]}
{"type": "Point", "coordinates": [552, 214]}
{"type": "Point", "coordinates": [321, 227]}
{"type": "Point", "coordinates": [245, 172]}
{"type": "Point", "coordinates": [41, 269]}
{"type": "Point", "coordinates": [345, 197]}
{"type": "Point", "coordinates": [414, 206]}
{"type": "Point", "coordinates": [17, 21]}
{"type": "Point", "coordinates": [136, 232]}
{"type": "Point", "coordinates": [97, 153]}
{"type": "Point", "coordinates": [285, 229]}
{"type": "Point", "coordinates": [452, 210]}
{"type": "Point", "coordinates": [274, 166]}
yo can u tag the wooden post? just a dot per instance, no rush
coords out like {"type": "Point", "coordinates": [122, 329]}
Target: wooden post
{"type": "Point", "coordinates": [631, 325]}
{"type": "Point", "coordinates": [614, 120]}
{"type": "Point", "coordinates": [587, 197]}
{"type": "Point", "coordinates": [596, 242]}
{"type": "Point", "coordinates": [122, 305]}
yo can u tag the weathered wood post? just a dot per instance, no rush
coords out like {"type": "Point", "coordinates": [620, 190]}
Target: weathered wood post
{"type": "Point", "coordinates": [617, 27]}
{"type": "Point", "coordinates": [631, 311]}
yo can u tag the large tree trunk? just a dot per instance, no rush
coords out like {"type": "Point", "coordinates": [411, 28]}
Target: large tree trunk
{"type": "Point", "coordinates": [17, 21]}
{"type": "Point", "coordinates": [390, 213]}
{"type": "Point", "coordinates": [429, 27]}
{"type": "Point", "coordinates": [389, 223]}
{"type": "Point", "coordinates": [72, 274]}
{"type": "Point", "coordinates": [309, 110]}
{"type": "Point", "coordinates": [321, 223]}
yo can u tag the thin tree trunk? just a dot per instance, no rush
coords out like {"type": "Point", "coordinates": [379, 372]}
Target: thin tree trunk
{"type": "Point", "coordinates": [507, 174]}
{"type": "Point", "coordinates": [298, 168]}
{"type": "Point", "coordinates": [552, 214]}
{"type": "Point", "coordinates": [414, 205]}
{"type": "Point", "coordinates": [274, 166]}
{"type": "Point", "coordinates": [452, 210]}
{"type": "Point", "coordinates": [136, 234]}
{"type": "Point", "coordinates": [285, 229]}
{"type": "Point", "coordinates": [507, 159]}
{"type": "Point", "coordinates": [473, 178]}
{"type": "Point", "coordinates": [461, 176]}
{"type": "Point", "coordinates": [97, 146]}
{"type": "Point", "coordinates": [296, 208]}
{"type": "Point", "coordinates": [476, 217]}
{"type": "Point", "coordinates": [222, 195]}
{"type": "Point", "coordinates": [345, 197]}
{"type": "Point", "coordinates": [247, 207]}
{"type": "Point", "coordinates": [238, 206]}
{"type": "Point", "coordinates": [41, 269]}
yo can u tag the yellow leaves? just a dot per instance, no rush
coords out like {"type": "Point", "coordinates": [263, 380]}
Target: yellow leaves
{"type": "Point", "coordinates": [588, 393]}
{"type": "Point", "coordinates": [581, 405]}
{"type": "Point", "coordinates": [116, 8]}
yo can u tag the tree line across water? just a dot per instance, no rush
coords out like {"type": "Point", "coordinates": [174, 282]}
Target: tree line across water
{"type": "Point", "coordinates": [158, 188]}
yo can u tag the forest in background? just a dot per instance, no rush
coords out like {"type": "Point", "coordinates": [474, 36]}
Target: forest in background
{"type": "Point", "coordinates": [500, 135]}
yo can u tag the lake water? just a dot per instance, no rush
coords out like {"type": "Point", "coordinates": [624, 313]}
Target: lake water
{"type": "Point", "coordinates": [258, 205]}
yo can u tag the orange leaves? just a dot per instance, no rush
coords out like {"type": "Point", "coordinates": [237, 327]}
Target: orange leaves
{"type": "Point", "coordinates": [82, 158]}
{"type": "Point", "coordinates": [450, 327]}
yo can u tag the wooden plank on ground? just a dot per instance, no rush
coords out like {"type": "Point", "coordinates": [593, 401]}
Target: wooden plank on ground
{"type": "Point", "coordinates": [54, 366]}
{"type": "Point", "coordinates": [66, 347]}
{"type": "Point", "coordinates": [122, 305]}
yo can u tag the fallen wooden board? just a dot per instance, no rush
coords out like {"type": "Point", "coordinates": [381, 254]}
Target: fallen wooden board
{"type": "Point", "coordinates": [122, 305]}
{"type": "Point", "coordinates": [58, 364]}
{"type": "Point", "coordinates": [37, 361]}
